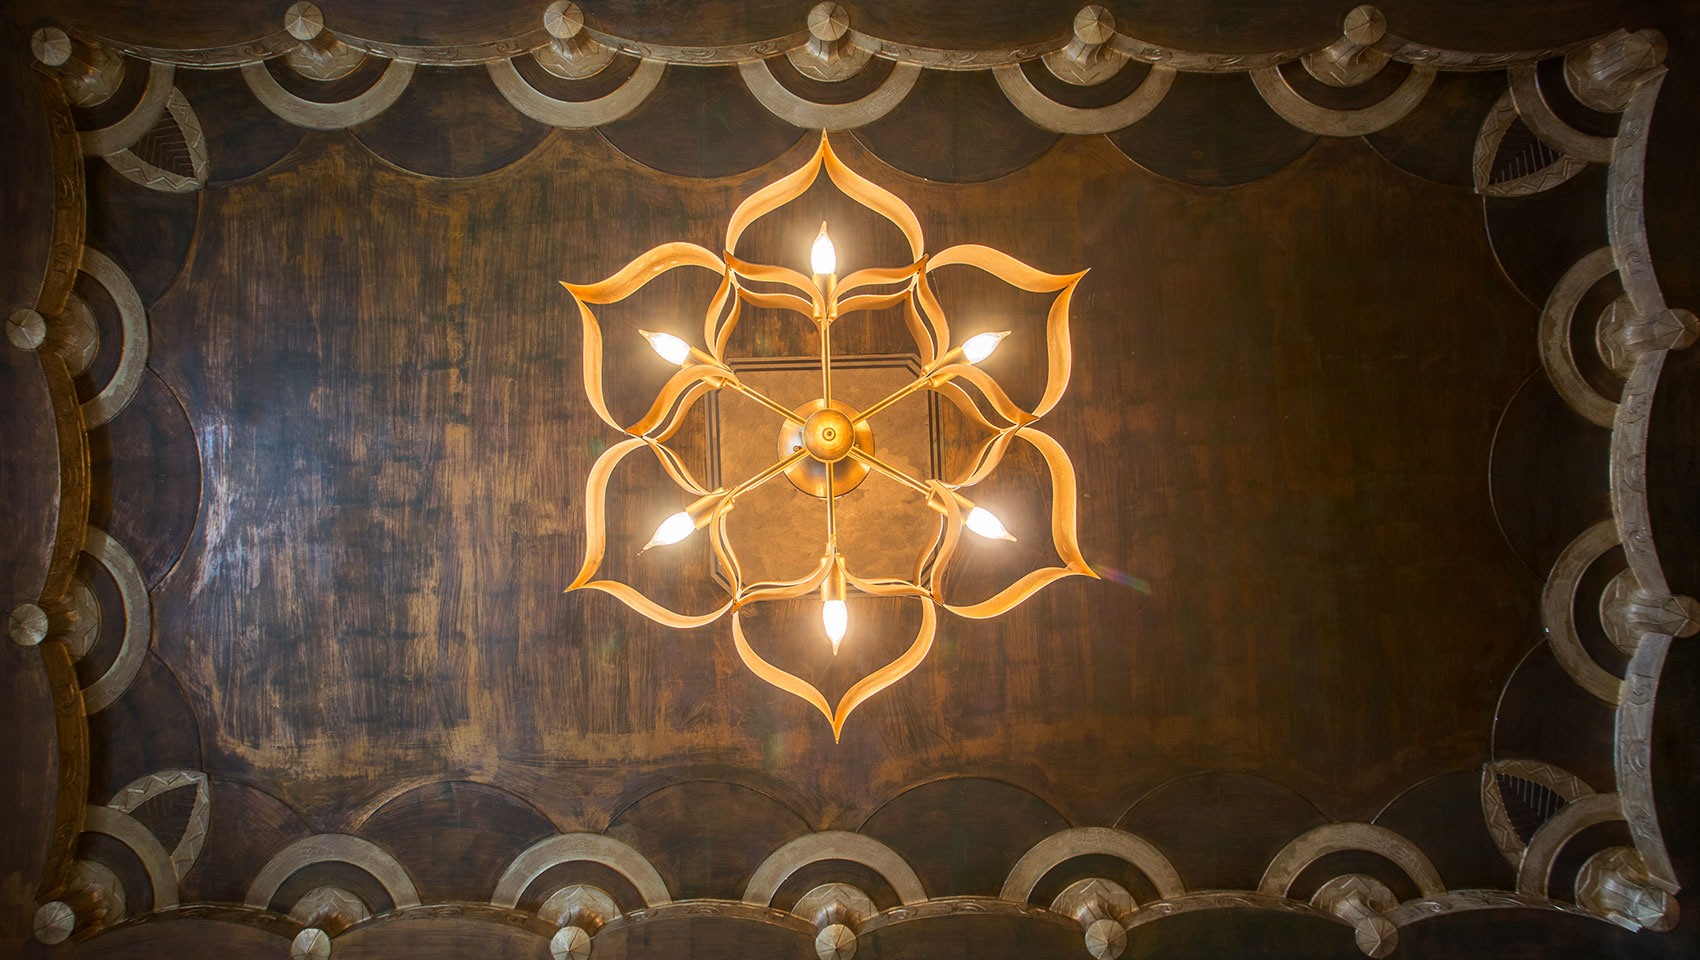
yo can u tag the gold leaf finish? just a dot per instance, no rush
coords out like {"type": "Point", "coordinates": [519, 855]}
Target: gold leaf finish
{"type": "Point", "coordinates": [944, 370]}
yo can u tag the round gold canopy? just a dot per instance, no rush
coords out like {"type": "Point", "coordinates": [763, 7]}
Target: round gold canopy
{"type": "Point", "coordinates": [827, 434]}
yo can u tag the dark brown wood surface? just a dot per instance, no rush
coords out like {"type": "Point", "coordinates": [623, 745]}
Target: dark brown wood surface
{"type": "Point", "coordinates": [1319, 466]}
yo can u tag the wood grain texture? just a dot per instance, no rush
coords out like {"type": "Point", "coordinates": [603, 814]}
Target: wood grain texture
{"type": "Point", "coordinates": [1285, 398]}
{"type": "Point", "coordinates": [393, 440]}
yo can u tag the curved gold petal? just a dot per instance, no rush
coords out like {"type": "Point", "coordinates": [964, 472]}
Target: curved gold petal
{"type": "Point", "coordinates": [879, 276]}
{"type": "Point", "coordinates": [873, 301]}
{"type": "Point", "coordinates": [723, 547]}
{"type": "Point", "coordinates": [675, 467]}
{"type": "Point", "coordinates": [887, 586]}
{"type": "Point", "coordinates": [790, 683]}
{"type": "Point", "coordinates": [1058, 349]}
{"type": "Point", "coordinates": [784, 276]}
{"type": "Point", "coordinates": [1064, 536]}
{"type": "Point", "coordinates": [676, 385]}
{"type": "Point", "coordinates": [630, 596]}
{"type": "Point", "coordinates": [1011, 596]}
{"type": "Point", "coordinates": [993, 393]}
{"type": "Point", "coordinates": [932, 317]}
{"type": "Point", "coordinates": [596, 508]}
{"type": "Point", "coordinates": [943, 500]}
{"type": "Point", "coordinates": [713, 324]}
{"type": "Point", "coordinates": [773, 196]}
{"type": "Point", "coordinates": [596, 542]}
{"type": "Point", "coordinates": [783, 589]}
{"type": "Point", "coordinates": [874, 197]}
{"type": "Point", "coordinates": [987, 458]}
{"type": "Point", "coordinates": [776, 300]}
{"type": "Point", "coordinates": [1003, 266]}
{"type": "Point", "coordinates": [593, 364]}
{"type": "Point", "coordinates": [1059, 352]}
{"type": "Point", "coordinates": [677, 420]}
{"type": "Point", "coordinates": [728, 325]}
{"type": "Point", "coordinates": [647, 266]}
{"type": "Point", "coordinates": [890, 673]}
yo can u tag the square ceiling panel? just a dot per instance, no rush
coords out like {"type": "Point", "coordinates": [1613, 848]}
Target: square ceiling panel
{"type": "Point", "coordinates": [1373, 405]}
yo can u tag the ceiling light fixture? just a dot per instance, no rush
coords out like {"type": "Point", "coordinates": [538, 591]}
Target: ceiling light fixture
{"type": "Point", "coordinates": [827, 446]}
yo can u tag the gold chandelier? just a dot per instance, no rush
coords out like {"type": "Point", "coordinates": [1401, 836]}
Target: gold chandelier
{"type": "Point", "coordinates": [831, 444]}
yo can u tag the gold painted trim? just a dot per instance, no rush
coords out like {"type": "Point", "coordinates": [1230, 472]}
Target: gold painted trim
{"type": "Point", "coordinates": [781, 864]}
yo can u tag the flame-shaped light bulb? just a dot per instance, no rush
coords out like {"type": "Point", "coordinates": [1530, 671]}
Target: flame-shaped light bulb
{"type": "Point", "coordinates": [823, 259]}
{"type": "Point", "coordinates": [835, 617]}
{"type": "Point", "coordinates": [673, 529]}
{"type": "Point", "coordinates": [671, 348]}
{"type": "Point", "coordinates": [986, 524]}
{"type": "Point", "coordinates": [981, 346]}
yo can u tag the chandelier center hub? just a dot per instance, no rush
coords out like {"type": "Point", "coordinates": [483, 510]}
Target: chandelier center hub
{"type": "Point", "coordinates": [827, 433]}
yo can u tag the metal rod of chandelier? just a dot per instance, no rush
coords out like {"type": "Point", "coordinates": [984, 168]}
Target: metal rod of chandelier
{"type": "Point", "coordinates": [828, 436]}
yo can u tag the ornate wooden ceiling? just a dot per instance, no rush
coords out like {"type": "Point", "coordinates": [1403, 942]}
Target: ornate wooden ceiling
{"type": "Point", "coordinates": [1393, 511]}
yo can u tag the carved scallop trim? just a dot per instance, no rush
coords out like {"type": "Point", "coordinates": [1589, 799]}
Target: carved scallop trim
{"type": "Point", "coordinates": [583, 114]}
{"type": "Point", "coordinates": [138, 621]}
{"type": "Point", "coordinates": [1558, 603]}
{"type": "Point", "coordinates": [1626, 186]}
{"type": "Point", "coordinates": [1535, 871]}
{"type": "Point", "coordinates": [833, 845]}
{"type": "Point", "coordinates": [1061, 118]}
{"type": "Point", "coordinates": [133, 353]}
{"type": "Point", "coordinates": [1537, 114]}
{"type": "Point", "coordinates": [139, 171]}
{"type": "Point", "coordinates": [1301, 113]}
{"type": "Point", "coordinates": [1633, 758]}
{"type": "Point", "coordinates": [1557, 779]}
{"type": "Point", "coordinates": [574, 847]}
{"type": "Point", "coordinates": [1329, 838]}
{"type": "Point", "coordinates": [1556, 354]}
{"type": "Point", "coordinates": [799, 112]}
{"type": "Point", "coordinates": [328, 116]}
{"type": "Point", "coordinates": [334, 848]}
{"type": "Point", "coordinates": [1492, 134]}
{"type": "Point", "coordinates": [146, 113]}
{"type": "Point", "coordinates": [1082, 841]}
{"type": "Point", "coordinates": [145, 788]}
{"type": "Point", "coordinates": [1463, 901]}
{"type": "Point", "coordinates": [129, 831]}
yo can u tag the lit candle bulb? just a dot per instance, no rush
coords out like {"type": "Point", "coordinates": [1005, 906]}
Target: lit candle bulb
{"type": "Point", "coordinates": [673, 529]}
{"type": "Point", "coordinates": [671, 348]}
{"type": "Point", "coordinates": [980, 347]}
{"type": "Point", "coordinates": [835, 617]}
{"type": "Point", "coordinates": [823, 259]}
{"type": "Point", "coordinates": [984, 523]}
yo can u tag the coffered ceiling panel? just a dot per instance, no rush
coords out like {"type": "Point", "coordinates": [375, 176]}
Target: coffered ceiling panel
{"type": "Point", "coordinates": [1376, 413]}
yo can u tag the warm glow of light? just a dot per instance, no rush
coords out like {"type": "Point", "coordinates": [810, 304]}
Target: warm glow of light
{"type": "Point", "coordinates": [835, 616]}
{"type": "Point", "coordinates": [671, 348]}
{"type": "Point", "coordinates": [980, 347]}
{"type": "Point", "coordinates": [984, 523]}
{"type": "Point", "coordinates": [673, 529]}
{"type": "Point", "coordinates": [823, 259]}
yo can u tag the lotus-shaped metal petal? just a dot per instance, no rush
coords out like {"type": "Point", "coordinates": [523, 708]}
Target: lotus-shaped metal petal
{"type": "Point", "coordinates": [945, 369]}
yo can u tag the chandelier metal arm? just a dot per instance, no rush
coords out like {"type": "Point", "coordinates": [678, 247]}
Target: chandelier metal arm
{"type": "Point", "coordinates": [880, 466]}
{"type": "Point", "coordinates": [773, 471]}
{"type": "Point", "coordinates": [745, 389]}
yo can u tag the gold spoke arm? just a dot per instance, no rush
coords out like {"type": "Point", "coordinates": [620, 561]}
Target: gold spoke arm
{"type": "Point", "coordinates": [881, 466]}
{"type": "Point", "coordinates": [929, 378]}
{"type": "Point", "coordinates": [766, 475]}
{"type": "Point", "coordinates": [763, 399]}
{"type": "Point", "coordinates": [831, 513]}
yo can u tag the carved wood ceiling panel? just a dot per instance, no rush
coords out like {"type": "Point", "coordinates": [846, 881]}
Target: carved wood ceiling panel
{"type": "Point", "coordinates": [1380, 496]}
